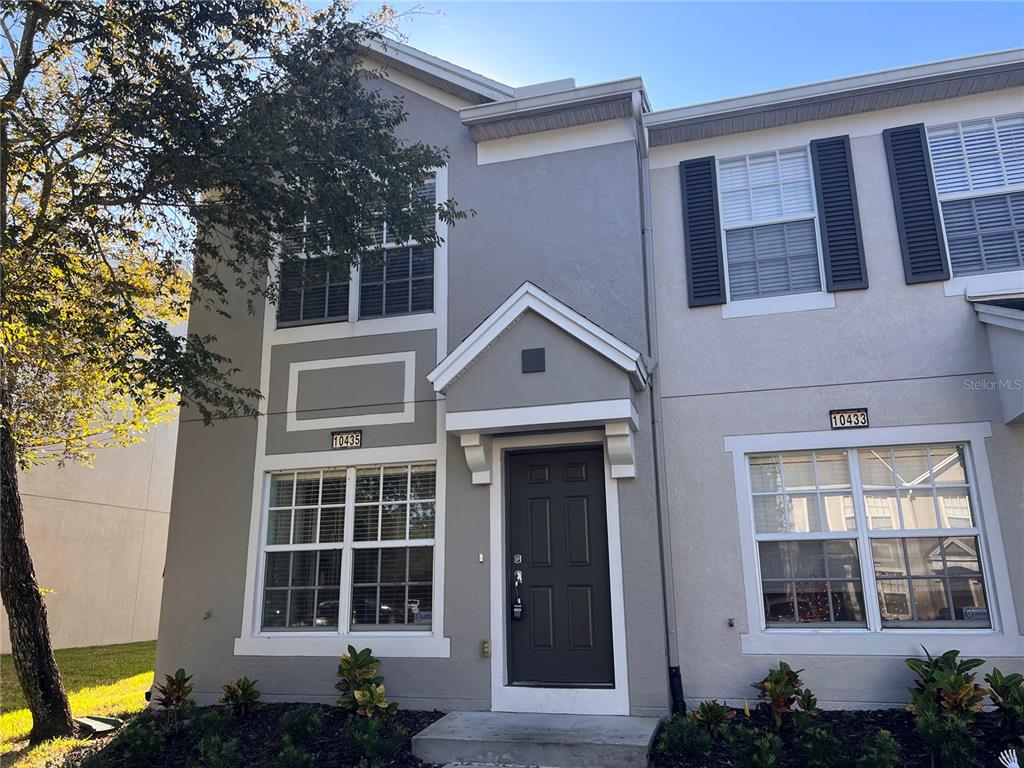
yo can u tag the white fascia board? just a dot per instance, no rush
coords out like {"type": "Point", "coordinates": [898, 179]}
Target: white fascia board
{"type": "Point", "coordinates": [547, 102]}
{"type": "Point", "coordinates": [457, 76]}
{"type": "Point", "coordinates": [837, 87]}
{"type": "Point", "coordinates": [1001, 316]}
{"type": "Point", "coordinates": [567, 415]}
{"type": "Point", "coordinates": [529, 297]}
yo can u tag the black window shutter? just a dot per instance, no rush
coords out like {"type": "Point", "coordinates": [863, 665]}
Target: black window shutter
{"type": "Point", "coordinates": [917, 209]}
{"type": "Point", "coordinates": [705, 276]}
{"type": "Point", "coordinates": [840, 220]}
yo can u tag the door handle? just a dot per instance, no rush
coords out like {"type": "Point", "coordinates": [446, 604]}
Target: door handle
{"type": "Point", "coordinates": [517, 604]}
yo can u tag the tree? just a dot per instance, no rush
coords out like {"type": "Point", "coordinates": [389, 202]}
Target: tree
{"type": "Point", "coordinates": [135, 135]}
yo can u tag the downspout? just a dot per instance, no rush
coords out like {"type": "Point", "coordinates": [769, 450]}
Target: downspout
{"type": "Point", "coordinates": [657, 423]}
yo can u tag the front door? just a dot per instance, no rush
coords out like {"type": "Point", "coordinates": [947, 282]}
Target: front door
{"type": "Point", "coordinates": [557, 567]}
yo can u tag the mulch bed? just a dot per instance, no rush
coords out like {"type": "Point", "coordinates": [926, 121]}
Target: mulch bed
{"type": "Point", "coordinates": [852, 726]}
{"type": "Point", "coordinates": [260, 742]}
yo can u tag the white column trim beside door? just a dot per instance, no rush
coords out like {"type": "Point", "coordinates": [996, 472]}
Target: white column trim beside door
{"type": "Point", "coordinates": [580, 701]}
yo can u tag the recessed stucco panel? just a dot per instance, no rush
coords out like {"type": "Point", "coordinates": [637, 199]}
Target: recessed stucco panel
{"type": "Point", "coordinates": [573, 371]}
{"type": "Point", "coordinates": [335, 392]}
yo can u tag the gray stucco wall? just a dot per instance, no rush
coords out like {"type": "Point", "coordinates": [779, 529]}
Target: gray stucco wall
{"type": "Point", "coordinates": [98, 536]}
{"type": "Point", "coordinates": [573, 372]}
{"type": "Point", "coordinates": [908, 353]}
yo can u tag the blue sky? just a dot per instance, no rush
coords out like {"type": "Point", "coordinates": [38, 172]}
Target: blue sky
{"type": "Point", "coordinates": [699, 51]}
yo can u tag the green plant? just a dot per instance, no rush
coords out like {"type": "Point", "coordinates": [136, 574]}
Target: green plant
{"type": "Point", "coordinates": [949, 739]}
{"type": "Point", "coordinates": [215, 752]}
{"type": "Point", "coordinates": [294, 757]}
{"type": "Point", "coordinates": [141, 743]}
{"type": "Point", "coordinates": [378, 741]}
{"type": "Point", "coordinates": [174, 691]}
{"type": "Point", "coordinates": [780, 689]}
{"type": "Point", "coordinates": [753, 748]}
{"type": "Point", "coordinates": [362, 690]}
{"type": "Point", "coordinates": [945, 684]}
{"type": "Point", "coordinates": [1007, 692]}
{"type": "Point", "coordinates": [241, 697]}
{"type": "Point", "coordinates": [713, 716]}
{"type": "Point", "coordinates": [880, 751]}
{"type": "Point", "coordinates": [299, 725]}
{"type": "Point", "coordinates": [685, 736]}
{"type": "Point", "coordinates": [818, 747]}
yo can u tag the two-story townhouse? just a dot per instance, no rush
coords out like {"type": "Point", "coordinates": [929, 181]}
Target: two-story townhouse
{"type": "Point", "coordinates": [530, 487]}
{"type": "Point", "coordinates": [455, 468]}
{"type": "Point", "coordinates": [854, 246]}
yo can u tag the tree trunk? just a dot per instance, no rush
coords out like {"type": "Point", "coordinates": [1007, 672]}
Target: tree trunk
{"type": "Point", "coordinates": [26, 613]}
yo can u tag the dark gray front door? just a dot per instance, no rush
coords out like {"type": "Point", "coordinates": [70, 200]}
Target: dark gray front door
{"type": "Point", "coordinates": [557, 533]}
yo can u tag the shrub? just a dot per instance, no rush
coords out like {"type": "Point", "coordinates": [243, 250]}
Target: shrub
{"type": "Point", "coordinates": [945, 685]}
{"type": "Point", "coordinates": [241, 697]}
{"type": "Point", "coordinates": [299, 725]}
{"type": "Point", "coordinates": [752, 748]}
{"type": "Point", "coordinates": [1007, 692]}
{"type": "Point", "coordinates": [780, 689]}
{"type": "Point", "coordinates": [819, 748]}
{"type": "Point", "coordinates": [378, 741]}
{"type": "Point", "coordinates": [362, 690]}
{"type": "Point", "coordinates": [212, 722]}
{"type": "Point", "coordinates": [713, 716]}
{"type": "Point", "coordinates": [949, 739]}
{"type": "Point", "coordinates": [174, 691]}
{"type": "Point", "coordinates": [880, 751]}
{"type": "Point", "coordinates": [685, 736]}
{"type": "Point", "coordinates": [215, 752]}
{"type": "Point", "coordinates": [294, 757]}
{"type": "Point", "coordinates": [141, 743]}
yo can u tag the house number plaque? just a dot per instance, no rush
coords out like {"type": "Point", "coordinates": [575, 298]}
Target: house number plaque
{"type": "Point", "coordinates": [346, 439]}
{"type": "Point", "coordinates": [849, 418]}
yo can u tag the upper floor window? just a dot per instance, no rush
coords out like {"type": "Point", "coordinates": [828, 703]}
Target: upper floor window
{"type": "Point", "coordinates": [397, 281]}
{"type": "Point", "coordinates": [309, 291]}
{"type": "Point", "coordinates": [769, 216]}
{"type": "Point", "coordinates": [894, 524]}
{"type": "Point", "coordinates": [978, 167]}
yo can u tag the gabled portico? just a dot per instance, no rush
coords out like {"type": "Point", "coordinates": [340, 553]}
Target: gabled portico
{"type": "Point", "coordinates": [535, 364]}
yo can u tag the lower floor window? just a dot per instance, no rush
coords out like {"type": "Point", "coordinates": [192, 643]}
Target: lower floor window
{"type": "Point", "coordinates": [349, 549]}
{"type": "Point", "coordinates": [896, 525]}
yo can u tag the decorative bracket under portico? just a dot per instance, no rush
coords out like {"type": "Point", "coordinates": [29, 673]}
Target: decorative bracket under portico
{"type": "Point", "coordinates": [478, 456]}
{"type": "Point", "coordinates": [618, 438]}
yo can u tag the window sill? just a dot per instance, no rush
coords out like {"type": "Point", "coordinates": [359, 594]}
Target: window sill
{"type": "Point", "coordinates": [991, 282]}
{"type": "Point", "coordinates": [419, 645]}
{"type": "Point", "coordinates": [897, 642]}
{"type": "Point", "coordinates": [775, 305]}
{"type": "Point", "coordinates": [337, 329]}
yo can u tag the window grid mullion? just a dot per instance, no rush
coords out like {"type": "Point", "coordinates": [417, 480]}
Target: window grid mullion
{"type": "Point", "coordinates": [345, 585]}
{"type": "Point", "coordinates": [872, 610]}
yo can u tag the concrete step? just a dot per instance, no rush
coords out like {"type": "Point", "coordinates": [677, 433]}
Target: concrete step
{"type": "Point", "coordinates": [553, 741]}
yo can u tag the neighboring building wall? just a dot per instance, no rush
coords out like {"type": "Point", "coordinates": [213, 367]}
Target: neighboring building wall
{"type": "Point", "coordinates": [909, 353]}
{"type": "Point", "coordinates": [553, 219]}
{"type": "Point", "coordinates": [98, 537]}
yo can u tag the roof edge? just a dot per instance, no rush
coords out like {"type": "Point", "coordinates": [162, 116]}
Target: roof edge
{"type": "Point", "coordinates": [459, 80]}
{"type": "Point", "coordinates": [838, 87]}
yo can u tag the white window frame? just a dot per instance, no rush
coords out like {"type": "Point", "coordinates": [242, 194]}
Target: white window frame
{"type": "Point", "coordinates": [411, 643]}
{"type": "Point", "coordinates": [771, 305]}
{"type": "Point", "coordinates": [986, 282]}
{"type": "Point", "coordinates": [1003, 639]}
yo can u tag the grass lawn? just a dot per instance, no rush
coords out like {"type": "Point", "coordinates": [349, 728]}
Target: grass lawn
{"type": "Point", "coordinates": [100, 680]}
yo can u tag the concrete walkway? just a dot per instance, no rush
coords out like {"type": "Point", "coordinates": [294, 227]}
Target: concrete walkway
{"type": "Point", "coordinates": [553, 741]}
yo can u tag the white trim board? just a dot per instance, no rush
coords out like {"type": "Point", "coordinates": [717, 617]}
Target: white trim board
{"type": "Point", "coordinates": [565, 414]}
{"type": "Point", "coordinates": [1003, 639]}
{"type": "Point", "coordinates": [580, 701]}
{"type": "Point", "coordinates": [558, 140]}
{"type": "Point", "coordinates": [529, 297]}
{"type": "Point", "coordinates": [405, 416]}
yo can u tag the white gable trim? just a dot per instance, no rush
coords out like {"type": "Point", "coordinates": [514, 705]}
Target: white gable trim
{"type": "Point", "coordinates": [530, 297]}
